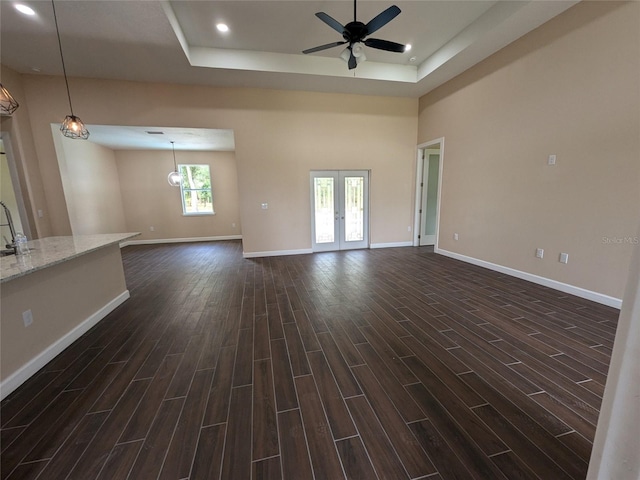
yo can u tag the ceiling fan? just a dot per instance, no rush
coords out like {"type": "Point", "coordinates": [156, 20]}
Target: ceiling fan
{"type": "Point", "coordinates": [354, 34]}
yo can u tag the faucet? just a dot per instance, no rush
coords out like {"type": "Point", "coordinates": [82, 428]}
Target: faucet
{"type": "Point", "coordinates": [7, 214]}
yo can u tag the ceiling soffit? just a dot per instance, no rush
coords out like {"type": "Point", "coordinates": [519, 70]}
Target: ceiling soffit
{"type": "Point", "coordinates": [489, 27]}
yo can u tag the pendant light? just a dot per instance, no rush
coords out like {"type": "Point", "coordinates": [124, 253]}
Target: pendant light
{"type": "Point", "coordinates": [174, 177]}
{"type": "Point", "coordinates": [72, 126]}
{"type": "Point", "coordinates": [8, 104]}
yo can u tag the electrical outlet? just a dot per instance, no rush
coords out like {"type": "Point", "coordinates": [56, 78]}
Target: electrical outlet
{"type": "Point", "coordinates": [27, 318]}
{"type": "Point", "coordinates": [409, 228]}
{"type": "Point", "coordinates": [264, 206]}
{"type": "Point", "coordinates": [455, 236]}
{"type": "Point", "coordinates": [564, 258]}
{"type": "Point", "coordinates": [551, 160]}
{"type": "Point", "coordinates": [539, 252]}
{"type": "Point", "coordinates": [152, 229]}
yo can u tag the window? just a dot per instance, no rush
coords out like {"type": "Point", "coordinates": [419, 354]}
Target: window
{"type": "Point", "coordinates": [195, 188]}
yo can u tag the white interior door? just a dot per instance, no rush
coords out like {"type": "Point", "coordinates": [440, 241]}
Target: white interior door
{"type": "Point", "coordinates": [339, 210]}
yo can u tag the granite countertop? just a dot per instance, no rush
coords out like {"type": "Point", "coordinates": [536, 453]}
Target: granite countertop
{"type": "Point", "coordinates": [46, 252]}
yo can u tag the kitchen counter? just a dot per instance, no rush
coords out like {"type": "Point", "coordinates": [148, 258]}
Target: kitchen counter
{"type": "Point", "coordinates": [50, 251]}
{"type": "Point", "coordinates": [54, 295]}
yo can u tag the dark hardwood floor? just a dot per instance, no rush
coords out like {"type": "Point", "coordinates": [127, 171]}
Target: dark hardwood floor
{"type": "Point", "coordinates": [389, 364]}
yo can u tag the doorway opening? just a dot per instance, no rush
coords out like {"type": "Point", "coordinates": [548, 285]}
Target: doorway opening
{"type": "Point", "coordinates": [339, 210]}
{"type": "Point", "coordinates": [428, 181]}
{"type": "Point", "coordinates": [11, 194]}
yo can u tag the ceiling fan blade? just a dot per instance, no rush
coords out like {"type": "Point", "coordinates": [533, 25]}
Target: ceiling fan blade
{"type": "Point", "coordinates": [382, 19]}
{"type": "Point", "coordinates": [332, 22]}
{"type": "Point", "coordinates": [353, 63]}
{"type": "Point", "coordinates": [323, 47]}
{"type": "Point", "coordinates": [384, 45]}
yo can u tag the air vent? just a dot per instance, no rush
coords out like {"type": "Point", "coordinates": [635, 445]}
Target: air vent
{"type": "Point", "coordinates": [155, 133]}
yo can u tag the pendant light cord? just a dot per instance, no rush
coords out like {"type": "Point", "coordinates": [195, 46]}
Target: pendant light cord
{"type": "Point", "coordinates": [64, 70]}
{"type": "Point", "coordinates": [175, 166]}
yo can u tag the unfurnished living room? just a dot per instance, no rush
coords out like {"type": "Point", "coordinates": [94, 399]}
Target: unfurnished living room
{"type": "Point", "coordinates": [320, 239]}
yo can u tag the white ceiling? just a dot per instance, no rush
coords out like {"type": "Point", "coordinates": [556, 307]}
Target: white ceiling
{"type": "Point", "coordinates": [176, 41]}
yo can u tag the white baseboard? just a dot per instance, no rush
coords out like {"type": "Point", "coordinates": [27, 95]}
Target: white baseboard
{"type": "Point", "coordinates": [277, 253]}
{"type": "Point", "coordinates": [391, 245]}
{"type": "Point", "coordinates": [20, 376]}
{"type": "Point", "coordinates": [547, 282]}
{"type": "Point", "coordinates": [304, 251]}
{"type": "Point", "coordinates": [180, 240]}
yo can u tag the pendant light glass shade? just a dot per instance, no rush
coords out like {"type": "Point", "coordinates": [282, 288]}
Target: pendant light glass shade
{"type": "Point", "coordinates": [345, 54]}
{"type": "Point", "coordinates": [8, 104]}
{"type": "Point", "coordinates": [174, 177]}
{"type": "Point", "coordinates": [357, 49]}
{"type": "Point", "coordinates": [72, 127]}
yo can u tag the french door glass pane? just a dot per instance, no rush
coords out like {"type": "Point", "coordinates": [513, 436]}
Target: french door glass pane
{"type": "Point", "coordinates": [354, 209]}
{"type": "Point", "coordinates": [325, 209]}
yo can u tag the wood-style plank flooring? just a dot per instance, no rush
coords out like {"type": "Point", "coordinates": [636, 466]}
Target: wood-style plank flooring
{"type": "Point", "coordinates": [389, 364]}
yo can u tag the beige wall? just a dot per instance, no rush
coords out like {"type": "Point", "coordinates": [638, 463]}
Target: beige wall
{"type": "Point", "coordinates": [570, 88]}
{"type": "Point", "coordinates": [280, 136]}
{"type": "Point", "coordinates": [149, 201]}
{"type": "Point", "coordinates": [91, 186]}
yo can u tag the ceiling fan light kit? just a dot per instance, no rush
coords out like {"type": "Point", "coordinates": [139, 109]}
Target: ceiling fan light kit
{"type": "Point", "coordinates": [358, 53]}
{"type": "Point", "coordinates": [355, 33]}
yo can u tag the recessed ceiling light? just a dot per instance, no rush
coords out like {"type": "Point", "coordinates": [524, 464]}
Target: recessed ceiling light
{"type": "Point", "coordinates": [412, 59]}
{"type": "Point", "coordinates": [24, 9]}
{"type": "Point", "coordinates": [407, 47]}
{"type": "Point", "coordinates": [222, 27]}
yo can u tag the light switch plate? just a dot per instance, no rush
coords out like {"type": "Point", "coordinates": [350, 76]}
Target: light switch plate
{"type": "Point", "coordinates": [564, 258]}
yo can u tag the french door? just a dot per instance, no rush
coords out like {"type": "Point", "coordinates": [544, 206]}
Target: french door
{"type": "Point", "coordinates": [339, 210]}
